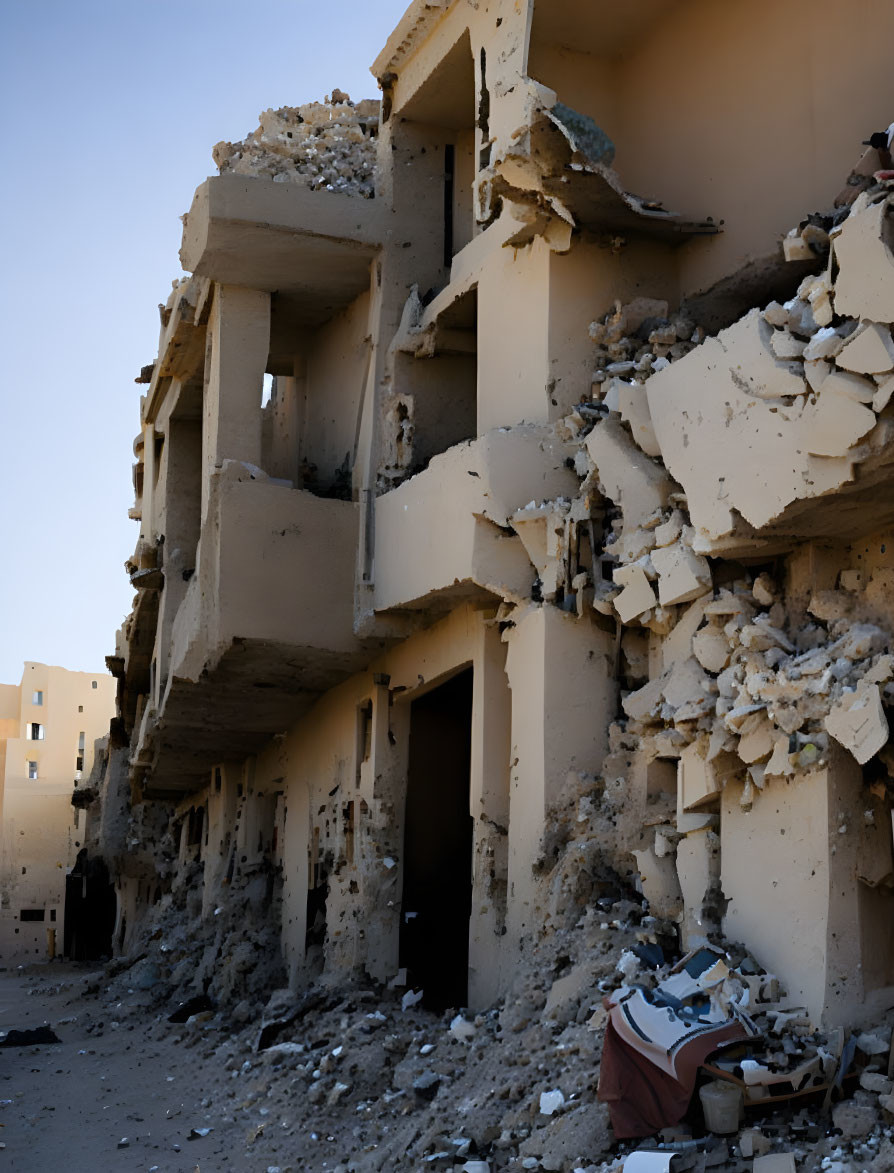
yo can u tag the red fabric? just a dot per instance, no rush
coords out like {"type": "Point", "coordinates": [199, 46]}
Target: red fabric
{"type": "Point", "coordinates": [642, 1099]}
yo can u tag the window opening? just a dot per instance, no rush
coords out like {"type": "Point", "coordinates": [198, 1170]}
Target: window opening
{"type": "Point", "coordinates": [32, 914]}
{"type": "Point", "coordinates": [34, 732]}
{"type": "Point", "coordinates": [364, 736]}
{"type": "Point", "coordinates": [37, 698]}
{"type": "Point", "coordinates": [349, 832]}
{"type": "Point", "coordinates": [32, 771]}
{"type": "Point", "coordinates": [449, 189]}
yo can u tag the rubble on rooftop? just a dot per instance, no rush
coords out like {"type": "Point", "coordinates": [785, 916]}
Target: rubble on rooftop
{"type": "Point", "coordinates": [328, 145]}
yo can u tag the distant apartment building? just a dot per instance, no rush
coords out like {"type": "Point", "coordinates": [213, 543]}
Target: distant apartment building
{"type": "Point", "coordinates": [48, 726]}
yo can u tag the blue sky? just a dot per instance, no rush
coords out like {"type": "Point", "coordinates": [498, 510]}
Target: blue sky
{"type": "Point", "coordinates": [108, 113]}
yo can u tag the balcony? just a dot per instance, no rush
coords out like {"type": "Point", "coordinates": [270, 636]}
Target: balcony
{"type": "Point", "coordinates": [265, 627]}
{"type": "Point", "coordinates": [312, 247]}
{"type": "Point", "coordinates": [444, 534]}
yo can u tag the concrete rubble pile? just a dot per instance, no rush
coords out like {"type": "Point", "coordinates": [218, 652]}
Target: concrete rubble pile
{"type": "Point", "coordinates": [328, 145]}
{"type": "Point", "coordinates": [636, 340]}
{"type": "Point", "coordinates": [531, 1083]}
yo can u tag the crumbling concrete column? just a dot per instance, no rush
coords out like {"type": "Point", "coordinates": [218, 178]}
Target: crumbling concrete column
{"type": "Point", "coordinates": [382, 841]}
{"type": "Point", "coordinates": [296, 842]}
{"type": "Point", "coordinates": [489, 807]}
{"type": "Point", "coordinates": [221, 814]}
{"type": "Point", "coordinates": [513, 338]}
{"type": "Point", "coordinates": [238, 345]}
{"type": "Point", "coordinates": [561, 673]}
{"type": "Point", "coordinates": [802, 871]}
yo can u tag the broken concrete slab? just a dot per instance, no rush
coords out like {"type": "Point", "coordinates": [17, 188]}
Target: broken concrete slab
{"type": "Point", "coordinates": [628, 477]}
{"type": "Point", "coordinates": [698, 782]}
{"type": "Point", "coordinates": [633, 404]}
{"type": "Point", "coordinates": [868, 351]}
{"type": "Point", "coordinates": [864, 288]}
{"type": "Point", "coordinates": [858, 722]}
{"type": "Point", "coordinates": [835, 423]}
{"type": "Point", "coordinates": [714, 427]}
{"type": "Point", "coordinates": [637, 595]}
{"type": "Point", "coordinates": [682, 574]}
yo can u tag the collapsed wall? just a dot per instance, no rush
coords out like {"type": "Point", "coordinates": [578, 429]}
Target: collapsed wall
{"type": "Point", "coordinates": [760, 676]}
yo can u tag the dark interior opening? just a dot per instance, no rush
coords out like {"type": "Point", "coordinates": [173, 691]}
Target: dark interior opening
{"type": "Point", "coordinates": [90, 908]}
{"type": "Point", "coordinates": [437, 895]}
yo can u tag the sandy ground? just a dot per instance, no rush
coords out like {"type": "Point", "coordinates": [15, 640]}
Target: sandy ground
{"type": "Point", "coordinates": [67, 1106]}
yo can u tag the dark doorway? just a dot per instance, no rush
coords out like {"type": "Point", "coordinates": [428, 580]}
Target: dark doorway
{"type": "Point", "coordinates": [437, 897]}
{"type": "Point", "coordinates": [89, 910]}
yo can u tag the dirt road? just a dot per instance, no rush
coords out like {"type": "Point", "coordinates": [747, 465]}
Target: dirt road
{"type": "Point", "coordinates": [121, 1091]}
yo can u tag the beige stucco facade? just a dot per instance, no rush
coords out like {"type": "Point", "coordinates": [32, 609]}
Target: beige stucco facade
{"type": "Point", "coordinates": [48, 725]}
{"type": "Point", "coordinates": [504, 539]}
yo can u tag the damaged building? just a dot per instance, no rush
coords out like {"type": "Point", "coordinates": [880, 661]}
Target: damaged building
{"type": "Point", "coordinates": [521, 445]}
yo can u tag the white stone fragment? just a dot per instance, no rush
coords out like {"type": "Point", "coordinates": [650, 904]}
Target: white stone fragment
{"type": "Point", "coordinates": [860, 389]}
{"type": "Point", "coordinates": [865, 285]}
{"type": "Point", "coordinates": [682, 574]}
{"type": "Point", "coordinates": [881, 672]}
{"type": "Point", "coordinates": [551, 1102]}
{"type": "Point", "coordinates": [858, 722]}
{"type": "Point", "coordinates": [763, 590]}
{"type": "Point", "coordinates": [780, 762]}
{"type": "Point", "coordinates": [711, 648]}
{"type": "Point", "coordinates": [630, 478]}
{"type": "Point", "coordinates": [633, 404]}
{"type": "Point", "coordinates": [668, 532]}
{"type": "Point", "coordinates": [756, 738]}
{"type": "Point", "coordinates": [883, 394]}
{"type": "Point", "coordinates": [637, 595]}
{"type": "Point", "coordinates": [714, 423]}
{"type": "Point", "coordinates": [796, 249]}
{"type": "Point", "coordinates": [825, 343]}
{"type": "Point", "coordinates": [776, 315]}
{"type": "Point", "coordinates": [697, 781]}
{"type": "Point", "coordinates": [835, 423]}
{"type": "Point", "coordinates": [816, 372]}
{"type": "Point", "coordinates": [462, 1030]}
{"type": "Point", "coordinates": [868, 351]}
{"type": "Point", "coordinates": [786, 345]}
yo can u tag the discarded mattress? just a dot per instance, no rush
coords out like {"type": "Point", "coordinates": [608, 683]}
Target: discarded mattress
{"type": "Point", "coordinates": [656, 1040]}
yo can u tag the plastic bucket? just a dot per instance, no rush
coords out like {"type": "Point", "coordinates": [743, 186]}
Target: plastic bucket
{"type": "Point", "coordinates": [722, 1106]}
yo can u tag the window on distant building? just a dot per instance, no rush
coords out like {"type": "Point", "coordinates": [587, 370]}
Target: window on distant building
{"type": "Point", "coordinates": [37, 698]}
{"type": "Point", "coordinates": [79, 763]}
{"type": "Point", "coordinates": [93, 685]}
{"type": "Point", "coordinates": [32, 770]}
{"type": "Point", "coordinates": [32, 914]}
{"type": "Point", "coordinates": [34, 731]}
